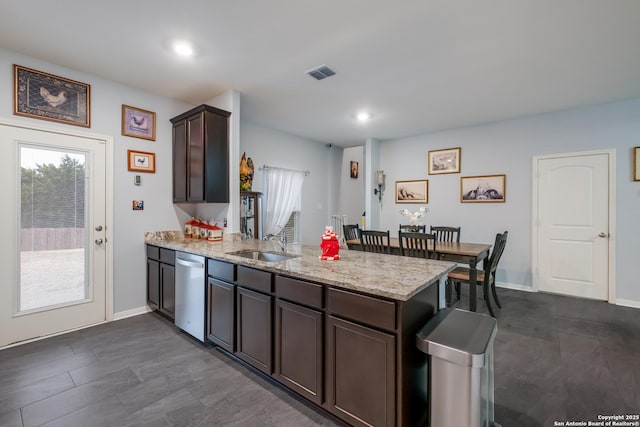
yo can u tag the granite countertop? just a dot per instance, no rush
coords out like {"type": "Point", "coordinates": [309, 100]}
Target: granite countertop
{"type": "Point", "coordinates": [390, 276]}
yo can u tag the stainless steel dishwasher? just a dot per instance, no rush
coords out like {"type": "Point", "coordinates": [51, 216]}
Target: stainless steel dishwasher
{"type": "Point", "coordinates": [190, 294]}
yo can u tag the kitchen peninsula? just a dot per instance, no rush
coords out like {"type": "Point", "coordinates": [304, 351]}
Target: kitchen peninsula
{"type": "Point", "coordinates": [341, 334]}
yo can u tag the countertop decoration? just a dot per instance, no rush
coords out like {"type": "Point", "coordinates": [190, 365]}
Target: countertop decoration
{"type": "Point", "coordinates": [415, 218]}
{"type": "Point", "coordinates": [329, 245]}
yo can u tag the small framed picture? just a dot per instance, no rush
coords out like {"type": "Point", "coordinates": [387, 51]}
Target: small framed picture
{"type": "Point", "coordinates": [354, 169]}
{"type": "Point", "coordinates": [47, 97]}
{"type": "Point", "coordinates": [138, 123]}
{"type": "Point", "coordinates": [487, 188]}
{"type": "Point", "coordinates": [412, 191]}
{"type": "Point", "coordinates": [636, 163]}
{"type": "Point", "coordinates": [141, 161]}
{"type": "Point", "coordinates": [444, 161]}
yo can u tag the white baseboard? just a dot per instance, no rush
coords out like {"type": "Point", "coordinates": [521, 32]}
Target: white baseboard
{"type": "Point", "coordinates": [619, 301]}
{"type": "Point", "coordinates": [130, 313]}
{"type": "Point", "coordinates": [628, 303]}
{"type": "Point", "coordinates": [514, 286]}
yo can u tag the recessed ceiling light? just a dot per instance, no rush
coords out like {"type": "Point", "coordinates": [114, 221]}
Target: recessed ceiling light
{"type": "Point", "coordinates": [363, 116]}
{"type": "Point", "coordinates": [183, 48]}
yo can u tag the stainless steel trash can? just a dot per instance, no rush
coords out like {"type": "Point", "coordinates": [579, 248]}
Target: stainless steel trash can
{"type": "Point", "coordinates": [460, 346]}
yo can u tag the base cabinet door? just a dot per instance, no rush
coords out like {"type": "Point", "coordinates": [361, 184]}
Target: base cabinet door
{"type": "Point", "coordinates": [299, 349]}
{"type": "Point", "coordinates": [254, 329]}
{"type": "Point", "coordinates": [361, 364]}
{"type": "Point", "coordinates": [221, 310]}
{"type": "Point", "coordinates": [153, 283]}
{"type": "Point", "coordinates": [168, 290]}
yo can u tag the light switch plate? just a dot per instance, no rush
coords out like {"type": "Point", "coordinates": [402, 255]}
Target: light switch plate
{"type": "Point", "coordinates": [137, 180]}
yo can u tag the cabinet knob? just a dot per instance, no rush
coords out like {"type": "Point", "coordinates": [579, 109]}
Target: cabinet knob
{"type": "Point", "coordinates": [98, 241]}
{"type": "Point", "coordinates": [99, 228]}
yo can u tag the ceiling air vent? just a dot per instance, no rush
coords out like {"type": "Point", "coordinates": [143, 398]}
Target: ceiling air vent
{"type": "Point", "coordinates": [321, 72]}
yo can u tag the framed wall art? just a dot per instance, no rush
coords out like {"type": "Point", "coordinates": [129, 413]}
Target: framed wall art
{"type": "Point", "coordinates": [138, 123]}
{"type": "Point", "coordinates": [486, 188]}
{"type": "Point", "coordinates": [636, 163]}
{"type": "Point", "coordinates": [141, 161]}
{"type": "Point", "coordinates": [354, 169]}
{"type": "Point", "coordinates": [444, 161]}
{"type": "Point", "coordinates": [44, 96]}
{"type": "Point", "coordinates": [412, 191]}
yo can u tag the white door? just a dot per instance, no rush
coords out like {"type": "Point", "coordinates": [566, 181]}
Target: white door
{"type": "Point", "coordinates": [573, 225]}
{"type": "Point", "coordinates": [52, 252]}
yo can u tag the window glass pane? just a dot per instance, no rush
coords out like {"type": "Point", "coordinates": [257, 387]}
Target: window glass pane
{"type": "Point", "coordinates": [52, 254]}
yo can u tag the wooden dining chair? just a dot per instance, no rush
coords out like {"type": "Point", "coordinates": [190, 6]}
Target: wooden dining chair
{"type": "Point", "coordinates": [419, 245]}
{"type": "Point", "coordinates": [446, 234]}
{"type": "Point", "coordinates": [350, 232]}
{"type": "Point", "coordinates": [485, 278]}
{"type": "Point", "coordinates": [375, 241]}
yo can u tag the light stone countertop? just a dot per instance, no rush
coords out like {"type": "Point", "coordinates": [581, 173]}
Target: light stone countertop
{"type": "Point", "coordinates": [390, 276]}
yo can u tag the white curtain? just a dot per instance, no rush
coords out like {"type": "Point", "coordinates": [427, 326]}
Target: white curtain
{"type": "Point", "coordinates": [282, 195]}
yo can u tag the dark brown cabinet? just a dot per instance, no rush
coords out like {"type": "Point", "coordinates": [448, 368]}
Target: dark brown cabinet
{"type": "Point", "coordinates": [161, 280]}
{"type": "Point", "coordinates": [299, 349]}
{"type": "Point", "coordinates": [361, 373]}
{"type": "Point", "coordinates": [221, 304]}
{"type": "Point", "coordinates": [254, 329]}
{"type": "Point", "coordinates": [201, 156]}
{"type": "Point", "coordinates": [254, 317]}
{"type": "Point", "coordinates": [299, 336]}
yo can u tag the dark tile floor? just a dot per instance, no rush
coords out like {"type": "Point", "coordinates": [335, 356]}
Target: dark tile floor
{"type": "Point", "coordinates": [556, 359]}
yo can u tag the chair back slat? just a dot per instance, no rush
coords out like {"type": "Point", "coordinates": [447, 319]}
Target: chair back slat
{"type": "Point", "coordinates": [419, 245]}
{"type": "Point", "coordinates": [350, 231]}
{"type": "Point", "coordinates": [375, 241]}
{"type": "Point", "coordinates": [498, 249]}
{"type": "Point", "coordinates": [446, 234]}
{"type": "Point", "coordinates": [412, 228]}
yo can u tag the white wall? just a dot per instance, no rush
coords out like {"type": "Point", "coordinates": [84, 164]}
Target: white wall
{"type": "Point", "coordinates": [273, 148]}
{"type": "Point", "coordinates": [352, 190]}
{"type": "Point", "coordinates": [508, 147]}
{"type": "Point", "coordinates": [129, 272]}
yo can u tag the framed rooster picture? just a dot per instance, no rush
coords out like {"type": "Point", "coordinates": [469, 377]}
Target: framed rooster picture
{"type": "Point", "coordinates": [138, 123]}
{"type": "Point", "coordinates": [44, 96]}
{"type": "Point", "coordinates": [141, 161]}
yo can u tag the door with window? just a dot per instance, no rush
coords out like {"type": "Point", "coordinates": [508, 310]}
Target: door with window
{"type": "Point", "coordinates": [572, 224]}
{"type": "Point", "coordinates": [52, 254]}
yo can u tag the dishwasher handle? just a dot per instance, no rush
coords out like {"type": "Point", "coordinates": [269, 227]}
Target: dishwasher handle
{"type": "Point", "coordinates": [191, 264]}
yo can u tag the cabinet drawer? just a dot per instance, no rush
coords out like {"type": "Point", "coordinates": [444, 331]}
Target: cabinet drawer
{"type": "Point", "coordinates": [369, 310]}
{"type": "Point", "coordinates": [254, 279]}
{"type": "Point", "coordinates": [167, 256]}
{"type": "Point", "coordinates": [299, 291]}
{"type": "Point", "coordinates": [221, 270]}
{"type": "Point", "coordinates": [153, 252]}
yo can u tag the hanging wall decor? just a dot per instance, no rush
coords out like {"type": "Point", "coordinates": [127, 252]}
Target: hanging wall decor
{"type": "Point", "coordinates": [444, 161]}
{"type": "Point", "coordinates": [138, 123]}
{"type": "Point", "coordinates": [44, 96]}
{"type": "Point", "coordinates": [486, 188]}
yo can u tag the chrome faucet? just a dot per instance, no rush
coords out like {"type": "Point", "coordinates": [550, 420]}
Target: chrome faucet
{"type": "Point", "coordinates": [282, 240]}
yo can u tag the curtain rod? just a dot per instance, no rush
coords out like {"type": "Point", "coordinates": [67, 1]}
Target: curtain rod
{"type": "Point", "coordinates": [285, 169]}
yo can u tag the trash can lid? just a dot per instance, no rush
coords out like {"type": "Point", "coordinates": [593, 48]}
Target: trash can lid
{"type": "Point", "coordinates": [459, 336]}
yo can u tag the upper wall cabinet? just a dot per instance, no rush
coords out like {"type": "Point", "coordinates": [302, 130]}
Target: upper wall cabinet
{"type": "Point", "coordinates": [201, 156]}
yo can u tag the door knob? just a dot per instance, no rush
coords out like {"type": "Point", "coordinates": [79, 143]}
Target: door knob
{"type": "Point", "coordinates": [99, 228]}
{"type": "Point", "coordinates": [602, 234]}
{"type": "Point", "coordinates": [98, 241]}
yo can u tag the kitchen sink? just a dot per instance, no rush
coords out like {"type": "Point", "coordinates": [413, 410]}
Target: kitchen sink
{"type": "Point", "coordinates": [263, 256]}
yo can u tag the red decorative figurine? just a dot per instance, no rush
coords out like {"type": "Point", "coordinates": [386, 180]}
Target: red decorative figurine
{"type": "Point", "coordinates": [329, 245]}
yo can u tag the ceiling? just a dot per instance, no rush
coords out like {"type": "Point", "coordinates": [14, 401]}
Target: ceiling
{"type": "Point", "coordinates": [417, 66]}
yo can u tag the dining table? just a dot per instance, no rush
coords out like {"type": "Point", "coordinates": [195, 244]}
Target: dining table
{"type": "Point", "coordinates": [470, 254]}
